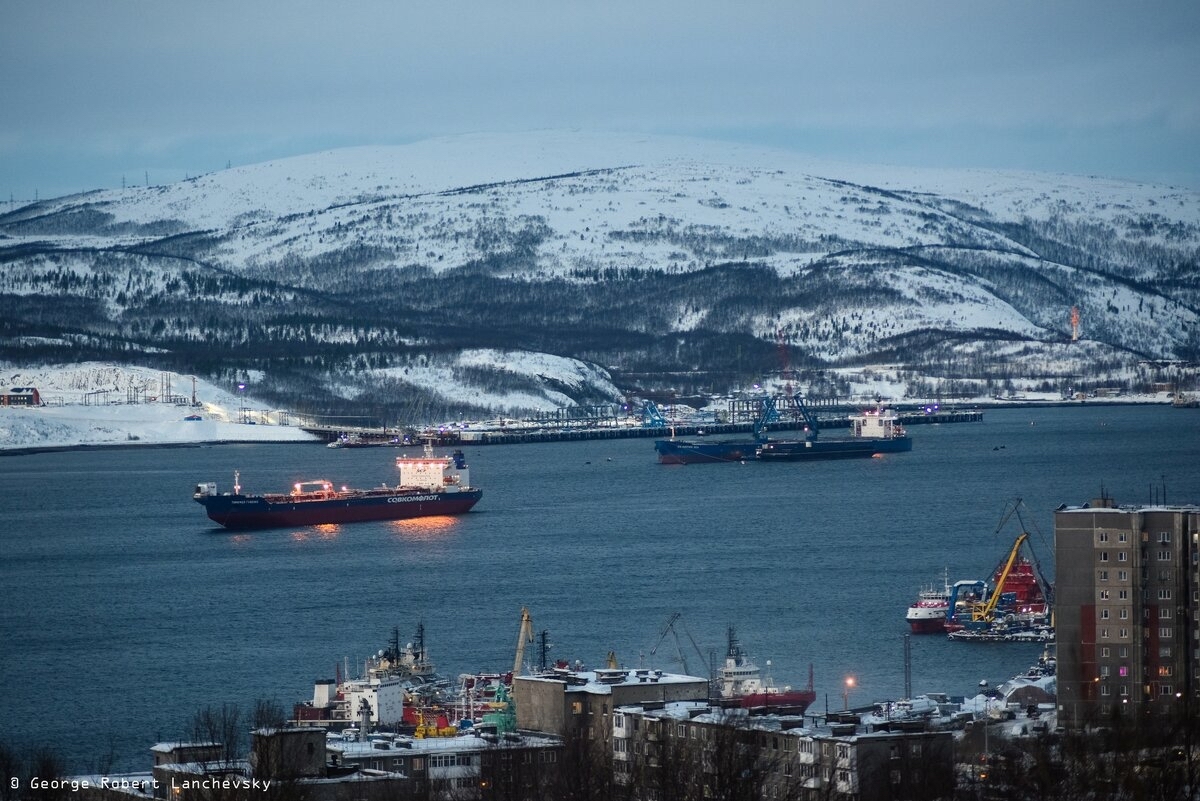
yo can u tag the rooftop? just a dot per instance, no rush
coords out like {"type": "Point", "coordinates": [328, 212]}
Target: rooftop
{"type": "Point", "coordinates": [601, 681]}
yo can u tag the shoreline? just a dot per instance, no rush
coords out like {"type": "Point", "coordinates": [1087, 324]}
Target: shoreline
{"type": "Point", "coordinates": [992, 405]}
{"type": "Point", "coordinates": [112, 446]}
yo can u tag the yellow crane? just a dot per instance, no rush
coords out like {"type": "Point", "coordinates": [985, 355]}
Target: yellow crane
{"type": "Point", "coordinates": [984, 612]}
{"type": "Point", "coordinates": [524, 636]}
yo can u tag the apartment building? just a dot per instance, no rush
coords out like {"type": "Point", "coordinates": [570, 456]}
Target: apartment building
{"type": "Point", "coordinates": [1126, 594]}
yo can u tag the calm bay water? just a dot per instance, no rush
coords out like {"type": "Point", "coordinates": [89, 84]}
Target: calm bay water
{"type": "Point", "coordinates": [125, 610]}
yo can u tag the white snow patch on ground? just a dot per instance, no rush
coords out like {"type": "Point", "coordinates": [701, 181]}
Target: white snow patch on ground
{"type": "Point", "coordinates": [87, 404]}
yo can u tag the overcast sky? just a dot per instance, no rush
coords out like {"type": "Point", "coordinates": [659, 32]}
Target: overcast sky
{"type": "Point", "coordinates": [93, 92]}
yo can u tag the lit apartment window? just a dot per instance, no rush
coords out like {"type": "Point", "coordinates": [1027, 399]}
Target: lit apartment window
{"type": "Point", "coordinates": [1165, 671]}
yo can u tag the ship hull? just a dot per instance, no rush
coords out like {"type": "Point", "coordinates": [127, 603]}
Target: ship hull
{"type": "Point", "coordinates": [804, 450]}
{"type": "Point", "coordinates": [681, 451]}
{"type": "Point", "coordinates": [792, 702]}
{"type": "Point", "coordinates": [927, 625]}
{"type": "Point", "coordinates": [247, 511]}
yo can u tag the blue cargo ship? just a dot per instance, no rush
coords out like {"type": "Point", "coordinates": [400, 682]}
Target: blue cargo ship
{"type": "Point", "coordinates": [872, 433]}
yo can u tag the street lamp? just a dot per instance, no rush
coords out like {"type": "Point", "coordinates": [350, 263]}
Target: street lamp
{"type": "Point", "coordinates": [983, 687]}
{"type": "Point", "coordinates": [846, 692]}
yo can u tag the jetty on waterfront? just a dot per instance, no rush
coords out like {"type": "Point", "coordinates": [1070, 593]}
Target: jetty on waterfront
{"type": "Point", "coordinates": [596, 423]}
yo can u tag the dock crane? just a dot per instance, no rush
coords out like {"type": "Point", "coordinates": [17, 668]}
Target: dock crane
{"type": "Point", "coordinates": [670, 629]}
{"type": "Point", "coordinates": [524, 636]}
{"type": "Point", "coordinates": [984, 612]}
{"type": "Point", "coordinates": [1014, 508]}
{"type": "Point", "coordinates": [983, 608]}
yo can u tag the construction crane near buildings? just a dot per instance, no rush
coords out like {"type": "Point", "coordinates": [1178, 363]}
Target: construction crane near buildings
{"type": "Point", "coordinates": [670, 629]}
{"type": "Point", "coordinates": [988, 609]}
{"type": "Point", "coordinates": [523, 637]}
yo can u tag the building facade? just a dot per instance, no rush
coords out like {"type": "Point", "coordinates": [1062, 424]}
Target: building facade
{"type": "Point", "coordinates": [20, 396]}
{"type": "Point", "coordinates": [695, 750]}
{"type": "Point", "coordinates": [1126, 594]}
{"type": "Point", "coordinates": [570, 703]}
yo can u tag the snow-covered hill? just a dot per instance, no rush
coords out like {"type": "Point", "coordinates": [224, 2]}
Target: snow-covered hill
{"type": "Point", "coordinates": [103, 404]}
{"type": "Point", "coordinates": [362, 267]}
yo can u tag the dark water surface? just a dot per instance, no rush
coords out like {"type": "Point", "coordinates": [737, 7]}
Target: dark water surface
{"type": "Point", "coordinates": [125, 610]}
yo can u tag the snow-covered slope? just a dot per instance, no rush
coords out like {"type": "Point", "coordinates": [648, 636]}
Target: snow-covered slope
{"type": "Point", "coordinates": [636, 253]}
{"type": "Point", "coordinates": [103, 404]}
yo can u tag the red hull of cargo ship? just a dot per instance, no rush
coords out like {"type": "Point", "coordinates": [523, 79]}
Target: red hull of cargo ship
{"type": "Point", "coordinates": [430, 486]}
{"type": "Point", "coordinates": [249, 512]}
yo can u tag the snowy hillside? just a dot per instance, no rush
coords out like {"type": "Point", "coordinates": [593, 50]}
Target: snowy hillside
{"type": "Point", "coordinates": [103, 404]}
{"type": "Point", "coordinates": [673, 264]}
{"type": "Point", "coordinates": [100, 404]}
